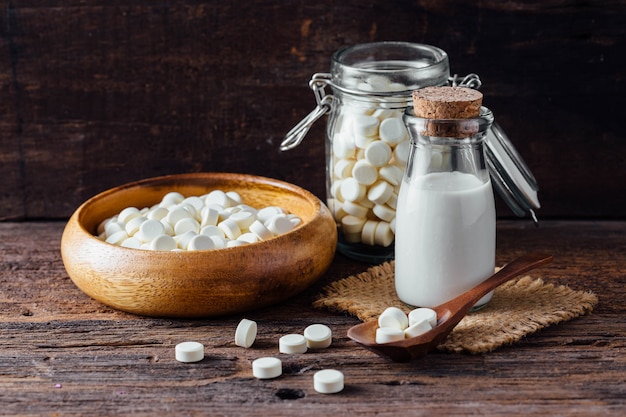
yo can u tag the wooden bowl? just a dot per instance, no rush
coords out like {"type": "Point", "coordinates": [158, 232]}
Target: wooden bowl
{"type": "Point", "coordinates": [199, 283]}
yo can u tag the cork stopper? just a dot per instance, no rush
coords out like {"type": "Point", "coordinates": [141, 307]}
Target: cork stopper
{"type": "Point", "coordinates": [446, 105]}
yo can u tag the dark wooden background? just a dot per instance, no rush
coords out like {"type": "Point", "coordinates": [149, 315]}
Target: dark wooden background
{"type": "Point", "coordinates": [97, 93]}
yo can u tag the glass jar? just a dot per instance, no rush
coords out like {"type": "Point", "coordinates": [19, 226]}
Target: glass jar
{"type": "Point", "coordinates": [446, 225]}
{"type": "Point", "coordinates": [367, 143]}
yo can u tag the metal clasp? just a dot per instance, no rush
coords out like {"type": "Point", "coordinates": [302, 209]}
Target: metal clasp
{"type": "Point", "coordinates": [324, 101]}
{"type": "Point", "coordinates": [318, 83]}
{"type": "Point", "coordinates": [470, 81]}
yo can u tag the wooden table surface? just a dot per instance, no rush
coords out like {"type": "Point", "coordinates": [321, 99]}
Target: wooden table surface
{"type": "Point", "coordinates": [62, 353]}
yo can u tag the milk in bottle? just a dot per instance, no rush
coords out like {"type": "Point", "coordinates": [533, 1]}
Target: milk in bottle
{"type": "Point", "coordinates": [445, 224]}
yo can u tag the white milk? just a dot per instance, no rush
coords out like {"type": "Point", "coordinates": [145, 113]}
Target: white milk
{"type": "Point", "coordinates": [445, 237]}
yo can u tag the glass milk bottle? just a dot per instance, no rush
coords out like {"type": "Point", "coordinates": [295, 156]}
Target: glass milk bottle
{"type": "Point", "coordinates": [446, 223]}
{"type": "Point", "coordinates": [367, 143]}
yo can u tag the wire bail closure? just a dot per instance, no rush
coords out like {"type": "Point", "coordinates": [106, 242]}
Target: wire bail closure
{"type": "Point", "coordinates": [469, 81]}
{"type": "Point", "coordinates": [318, 83]}
{"type": "Point", "coordinates": [324, 101]}
{"type": "Point", "coordinates": [511, 177]}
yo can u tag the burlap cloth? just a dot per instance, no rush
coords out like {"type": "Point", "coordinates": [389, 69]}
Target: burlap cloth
{"type": "Point", "coordinates": [519, 307]}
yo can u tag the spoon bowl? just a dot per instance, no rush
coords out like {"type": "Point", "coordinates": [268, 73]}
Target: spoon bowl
{"type": "Point", "coordinates": [449, 314]}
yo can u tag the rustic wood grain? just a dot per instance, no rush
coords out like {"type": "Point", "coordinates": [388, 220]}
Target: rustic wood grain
{"type": "Point", "coordinates": [62, 353]}
{"type": "Point", "coordinates": [99, 93]}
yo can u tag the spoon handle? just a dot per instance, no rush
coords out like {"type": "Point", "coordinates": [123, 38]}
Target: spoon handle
{"type": "Point", "coordinates": [463, 303]}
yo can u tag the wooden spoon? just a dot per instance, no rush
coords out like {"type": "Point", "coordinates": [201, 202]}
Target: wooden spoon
{"type": "Point", "coordinates": [449, 314]}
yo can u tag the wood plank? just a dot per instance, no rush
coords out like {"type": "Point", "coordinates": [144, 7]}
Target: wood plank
{"type": "Point", "coordinates": [116, 92]}
{"type": "Point", "coordinates": [11, 151]}
{"type": "Point", "coordinates": [61, 352]}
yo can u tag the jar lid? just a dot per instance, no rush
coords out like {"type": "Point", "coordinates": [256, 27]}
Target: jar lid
{"type": "Point", "coordinates": [511, 176]}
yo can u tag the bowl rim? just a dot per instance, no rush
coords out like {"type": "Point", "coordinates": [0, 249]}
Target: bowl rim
{"type": "Point", "coordinates": [317, 206]}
